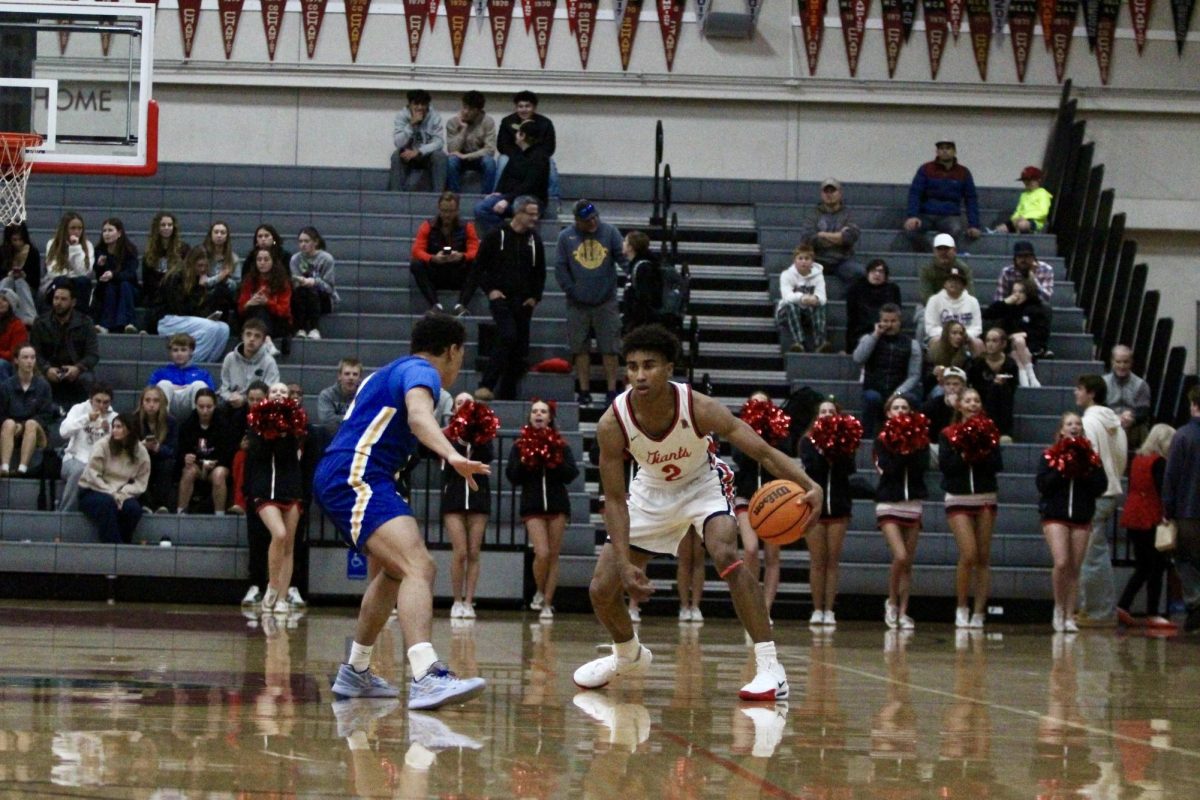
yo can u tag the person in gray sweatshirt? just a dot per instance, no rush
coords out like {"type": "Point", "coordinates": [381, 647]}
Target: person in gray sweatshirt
{"type": "Point", "coordinates": [420, 138]}
{"type": "Point", "coordinates": [248, 362]}
{"type": "Point", "coordinates": [589, 252]}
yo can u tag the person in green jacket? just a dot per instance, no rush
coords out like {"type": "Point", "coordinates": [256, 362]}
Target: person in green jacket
{"type": "Point", "coordinates": [1033, 207]}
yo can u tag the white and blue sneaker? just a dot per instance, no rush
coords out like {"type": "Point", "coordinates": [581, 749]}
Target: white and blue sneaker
{"type": "Point", "coordinates": [433, 734]}
{"type": "Point", "coordinates": [359, 713]}
{"type": "Point", "coordinates": [439, 686]}
{"type": "Point", "coordinates": [351, 683]}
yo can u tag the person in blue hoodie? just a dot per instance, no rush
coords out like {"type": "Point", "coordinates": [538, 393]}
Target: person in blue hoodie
{"type": "Point", "coordinates": [181, 379]}
{"type": "Point", "coordinates": [936, 197]}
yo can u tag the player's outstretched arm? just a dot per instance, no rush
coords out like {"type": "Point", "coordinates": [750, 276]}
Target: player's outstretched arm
{"type": "Point", "coordinates": [616, 505]}
{"type": "Point", "coordinates": [422, 423]}
{"type": "Point", "coordinates": [713, 417]}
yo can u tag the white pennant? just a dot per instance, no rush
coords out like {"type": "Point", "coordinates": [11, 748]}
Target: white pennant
{"type": "Point", "coordinates": [618, 12]}
{"type": "Point", "coordinates": [480, 13]}
{"type": "Point", "coordinates": [754, 7]}
{"type": "Point", "coordinates": [701, 12]}
{"type": "Point", "coordinates": [999, 16]}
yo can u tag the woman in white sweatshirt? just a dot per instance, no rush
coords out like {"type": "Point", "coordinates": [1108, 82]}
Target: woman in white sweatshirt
{"type": "Point", "coordinates": [954, 303]}
{"type": "Point", "coordinates": [86, 423]}
{"type": "Point", "coordinates": [68, 255]}
{"type": "Point", "coordinates": [801, 309]}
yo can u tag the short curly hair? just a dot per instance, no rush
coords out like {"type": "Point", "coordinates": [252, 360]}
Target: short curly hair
{"type": "Point", "coordinates": [651, 339]}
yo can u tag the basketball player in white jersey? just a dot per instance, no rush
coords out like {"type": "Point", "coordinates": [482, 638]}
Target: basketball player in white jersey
{"type": "Point", "coordinates": [680, 483]}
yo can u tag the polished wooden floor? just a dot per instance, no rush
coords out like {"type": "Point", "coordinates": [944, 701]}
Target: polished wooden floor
{"type": "Point", "coordinates": [166, 702]}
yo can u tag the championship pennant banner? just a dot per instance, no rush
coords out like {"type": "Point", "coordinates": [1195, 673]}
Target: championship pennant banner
{"type": "Point", "coordinates": [812, 24]}
{"type": "Point", "coordinates": [954, 12]}
{"type": "Point", "coordinates": [1062, 30]}
{"type": "Point", "coordinates": [230, 13]}
{"type": "Point", "coordinates": [543, 23]}
{"type": "Point", "coordinates": [893, 33]}
{"type": "Point", "coordinates": [458, 14]}
{"type": "Point", "coordinates": [585, 27]}
{"type": "Point", "coordinates": [500, 15]}
{"type": "Point", "coordinates": [1106, 30]}
{"type": "Point", "coordinates": [979, 21]}
{"type": "Point", "coordinates": [272, 17]}
{"type": "Point", "coordinates": [415, 12]}
{"type": "Point", "coordinates": [670, 21]}
{"type": "Point", "coordinates": [314, 15]}
{"type": "Point", "coordinates": [1181, 11]}
{"type": "Point", "coordinates": [627, 32]}
{"type": "Point", "coordinates": [1139, 12]}
{"type": "Point", "coordinates": [854, 23]}
{"type": "Point", "coordinates": [1021, 15]}
{"type": "Point", "coordinates": [356, 21]}
{"type": "Point", "coordinates": [935, 33]}
{"type": "Point", "coordinates": [189, 15]}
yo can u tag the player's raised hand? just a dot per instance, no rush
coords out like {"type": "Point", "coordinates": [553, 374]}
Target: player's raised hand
{"type": "Point", "coordinates": [467, 468]}
{"type": "Point", "coordinates": [636, 584]}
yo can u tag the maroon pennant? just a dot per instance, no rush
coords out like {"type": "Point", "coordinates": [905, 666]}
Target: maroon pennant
{"type": "Point", "coordinates": [230, 14]}
{"type": "Point", "coordinates": [935, 33]}
{"type": "Point", "coordinates": [314, 14]}
{"type": "Point", "coordinates": [954, 12]}
{"type": "Point", "coordinates": [500, 16]}
{"type": "Point", "coordinates": [189, 16]}
{"type": "Point", "coordinates": [356, 22]}
{"type": "Point", "coordinates": [527, 12]}
{"type": "Point", "coordinates": [415, 12]}
{"type": "Point", "coordinates": [1139, 11]}
{"type": "Point", "coordinates": [572, 15]}
{"type": "Point", "coordinates": [585, 25]}
{"type": "Point", "coordinates": [627, 33]}
{"type": "Point", "coordinates": [1021, 14]}
{"type": "Point", "coordinates": [893, 33]}
{"type": "Point", "coordinates": [812, 23]}
{"type": "Point", "coordinates": [458, 14]}
{"type": "Point", "coordinates": [272, 17]}
{"type": "Point", "coordinates": [1046, 17]}
{"type": "Point", "coordinates": [979, 20]}
{"type": "Point", "coordinates": [1105, 35]}
{"type": "Point", "coordinates": [670, 19]}
{"type": "Point", "coordinates": [1062, 29]}
{"type": "Point", "coordinates": [543, 24]}
{"type": "Point", "coordinates": [854, 22]}
{"type": "Point", "coordinates": [433, 9]}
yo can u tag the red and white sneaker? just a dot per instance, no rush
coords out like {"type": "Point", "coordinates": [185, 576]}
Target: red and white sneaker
{"type": "Point", "coordinates": [769, 684]}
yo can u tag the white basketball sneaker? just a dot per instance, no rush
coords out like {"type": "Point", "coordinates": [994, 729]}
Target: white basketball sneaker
{"type": "Point", "coordinates": [597, 674]}
{"type": "Point", "coordinates": [769, 684]}
{"type": "Point", "coordinates": [768, 728]}
{"type": "Point", "coordinates": [628, 723]}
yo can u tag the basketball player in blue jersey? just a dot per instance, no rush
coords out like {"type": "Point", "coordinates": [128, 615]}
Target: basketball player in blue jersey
{"type": "Point", "coordinates": [390, 414]}
{"type": "Point", "coordinates": [680, 483]}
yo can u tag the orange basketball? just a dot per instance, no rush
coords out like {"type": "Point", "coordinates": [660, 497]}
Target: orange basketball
{"type": "Point", "coordinates": [775, 515]}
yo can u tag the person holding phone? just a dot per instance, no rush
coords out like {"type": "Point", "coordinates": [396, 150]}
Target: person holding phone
{"type": "Point", "coordinates": [206, 445]}
{"type": "Point", "coordinates": [443, 255]}
{"type": "Point", "coordinates": [994, 376]}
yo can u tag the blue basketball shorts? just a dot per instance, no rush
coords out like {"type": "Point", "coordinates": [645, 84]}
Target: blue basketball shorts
{"type": "Point", "coordinates": [356, 498]}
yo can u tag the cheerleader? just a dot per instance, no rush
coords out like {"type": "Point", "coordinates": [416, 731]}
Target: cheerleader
{"type": "Point", "coordinates": [748, 479]}
{"type": "Point", "coordinates": [969, 458]}
{"type": "Point", "coordinates": [545, 497]}
{"type": "Point", "coordinates": [1069, 484]}
{"type": "Point", "coordinates": [901, 457]}
{"type": "Point", "coordinates": [276, 429]}
{"type": "Point", "coordinates": [465, 513]}
{"type": "Point", "coordinates": [832, 470]}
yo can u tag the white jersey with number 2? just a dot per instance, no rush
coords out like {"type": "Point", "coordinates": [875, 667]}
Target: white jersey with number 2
{"type": "Point", "coordinates": [675, 457]}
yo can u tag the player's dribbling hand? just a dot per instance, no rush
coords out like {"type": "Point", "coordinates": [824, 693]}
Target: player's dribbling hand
{"type": "Point", "coordinates": [814, 497]}
{"type": "Point", "coordinates": [636, 584]}
{"type": "Point", "coordinates": [467, 468]}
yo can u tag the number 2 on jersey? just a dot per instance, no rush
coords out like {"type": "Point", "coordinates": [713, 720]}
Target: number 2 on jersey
{"type": "Point", "coordinates": [671, 472]}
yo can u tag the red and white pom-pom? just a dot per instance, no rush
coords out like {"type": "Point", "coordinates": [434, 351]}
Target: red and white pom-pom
{"type": "Point", "coordinates": [540, 448]}
{"type": "Point", "coordinates": [905, 434]}
{"type": "Point", "coordinates": [768, 420]}
{"type": "Point", "coordinates": [974, 438]}
{"type": "Point", "coordinates": [837, 436]}
{"type": "Point", "coordinates": [474, 424]}
{"type": "Point", "coordinates": [276, 419]}
{"type": "Point", "coordinates": [1073, 457]}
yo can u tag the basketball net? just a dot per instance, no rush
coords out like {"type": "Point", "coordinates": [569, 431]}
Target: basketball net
{"type": "Point", "coordinates": [14, 174]}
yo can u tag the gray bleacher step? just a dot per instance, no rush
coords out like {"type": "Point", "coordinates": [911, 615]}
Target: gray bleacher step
{"type": "Point", "coordinates": [731, 298]}
{"type": "Point", "coordinates": [882, 238]}
{"type": "Point", "coordinates": [839, 366]}
{"type": "Point", "coordinates": [983, 266]}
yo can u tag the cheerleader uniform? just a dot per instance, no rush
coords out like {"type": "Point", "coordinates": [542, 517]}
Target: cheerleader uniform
{"type": "Point", "coordinates": [901, 486]}
{"type": "Point", "coordinates": [1069, 501]}
{"type": "Point", "coordinates": [273, 475]}
{"type": "Point", "coordinates": [457, 497]}
{"type": "Point", "coordinates": [544, 492]}
{"type": "Point", "coordinates": [833, 476]}
{"type": "Point", "coordinates": [970, 488]}
{"type": "Point", "coordinates": [748, 479]}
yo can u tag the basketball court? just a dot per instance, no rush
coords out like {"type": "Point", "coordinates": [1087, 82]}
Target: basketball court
{"type": "Point", "coordinates": [171, 702]}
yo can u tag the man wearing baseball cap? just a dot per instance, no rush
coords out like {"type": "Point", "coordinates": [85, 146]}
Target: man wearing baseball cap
{"type": "Point", "coordinates": [936, 198]}
{"type": "Point", "coordinates": [1026, 265]}
{"type": "Point", "coordinates": [943, 400]}
{"type": "Point", "coordinates": [832, 234]}
{"type": "Point", "coordinates": [1033, 207]}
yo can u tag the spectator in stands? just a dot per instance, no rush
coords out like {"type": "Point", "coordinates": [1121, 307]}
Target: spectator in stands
{"type": "Point", "coordinates": [224, 274]}
{"type": "Point", "coordinates": [512, 272]}
{"type": "Point", "coordinates": [993, 374]}
{"type": "Point", "coordinates": [13, 333]}
{"type": "Point", "coordinates": [181, 380]}
{"type": "Point", "coordinates": [1067, 506]}
{"type": "Point", "coordinates": [830, 231]}
{"type": "Point", "coordinates": [865, 297]}
{"type": "Point", "coordinates": [1143, 511]}
{"type": "Point", "coordinates": [267, 296]}
{"type": "Point", "coordinates": [825, 538]}
{"type": "Point", "coordinates": [940, 409]}
{"type": "Point", "coordinates": [954, 303]}
{"type": "Point", "coordinates": [952, 349]}
{"type": "Point", "coordinates": [526, 175]}
{"type": "Point", "coordinates": [936, 198]}
{"type": "Point", "coordinates": [276, 490]}
{"type": "Point", "coordinates": [159, 433]}
{"type": "Point", "coordinates": [1033, 207]}
{"type": "Point", "coordinates": [642, 301]}
{"type": "Point", "coordinates": [1102, 427]}
{"type": "Point", "coordinates": [1026, 320]}
{"type": "Point", "coordinates": [20, 270]}
{"type": "Point", "coordinates": [471, 144]}
{"type": "Point", "coordinates": [1181, 505]}
{"type": "Point", "coordinates": [420, 138]}
{"type": "Point", "coordinates": [465, 513]}
{"type": "Point", "coordinates": [85, 424]}
{"type": "Point", "coordinates": [443, 255]}
{"type": "Point", "coordinates": [969, 479]}
{"type": "Point", "coordinates": [165, 250]}
{"type": "Point", "coordinates": [313, 289]}
{"type": "Point", "coordinates": [69, 256]}
{"type": "Point", "coordinates": [66, 345]}
{"type": "Point", "coordinates": [945, 258]}
{"type": "Point", "coordinates": [589, 253]}
{"type": "Point", "coordinates": [186, 308]}
{"type": "Point", "coordinates": [1128, 395]}
{"type": "Point", "coordinates": [545, 504]}
{"type": "Point", "coordinates": [333, 401]}
{"type": "Point", "coordinates": [539, 128]}
{"type": "Point", "coordinates": [205, 453]}
{"type": "Point", "coordinates": [898, 512]}
{"type": "Point", "coordinates": [1025, 265]}
{"type": "Point", "coordinates": [891, 363]}
{"type": "Point", "coordinates": [264, 236]}
{"type": "Point", "coordinates": [116, 272]}
{"type": "Point", "coordinates": [248, 362]}
{"type": "Point", "coordinates": [115, 476]}
{"type": "Point", "coordinates": [27, 410]}
{"type": "Point", "coordinates": [801, 309]}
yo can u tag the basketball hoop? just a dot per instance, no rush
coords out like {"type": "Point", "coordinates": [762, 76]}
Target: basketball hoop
{"type": "Point", "coordinates": [14, 174]}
